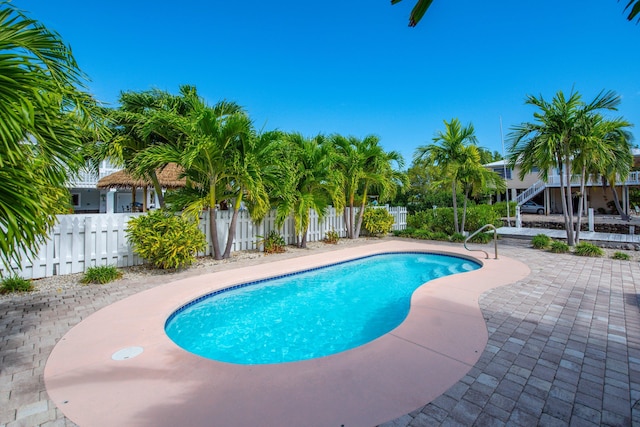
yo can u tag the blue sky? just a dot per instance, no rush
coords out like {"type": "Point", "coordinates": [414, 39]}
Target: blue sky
{"type": "Point", "coordinates": [354, 67]}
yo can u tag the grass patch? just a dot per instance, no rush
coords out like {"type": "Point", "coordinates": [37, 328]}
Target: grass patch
{"type": "Point", "coordinates": [15, 284]}
{"type": "Point", "coordinates": [541, 241]}
{"type": "Point", "coordinates": [559, 247]}
{"type": "Point", "coordinates": [101, 274]}
{"type": "Point", "coordinates": [621, 256]}
{"type": "Point", "coordinates": [588, 249]}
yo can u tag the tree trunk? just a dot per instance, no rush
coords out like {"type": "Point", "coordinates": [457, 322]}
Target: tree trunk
{"type": "Point", "coordinates": [157, 188]}
{"type": "Point", "coordinates": [350, 228]}
{"type": "Point", "coordinates": [360, 215]}
{"type": "Point", "coordinates": [580, 204]}
{"type": "Point", "coordinates": [623, 215]}
{"type": "Point", "coordinates": [215, 253]}
{"type": "Point", "coordinates": [455, 207]}
{"type": "Point", "coordinates": [232, 227]}
{"type": "Point", "coordinates": [464, 213]}
{"type": "Point", "coordinates": [568, 225]}
{"type": "Point", "coordinates": [303, 240]}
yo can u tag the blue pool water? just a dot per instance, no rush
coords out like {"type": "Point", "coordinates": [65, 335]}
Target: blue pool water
{"type": "Point", "coordinates": [310, 314]}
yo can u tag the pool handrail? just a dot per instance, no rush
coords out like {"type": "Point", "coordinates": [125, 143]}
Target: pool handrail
{"type": "Point", "coordinates": [495, 240]}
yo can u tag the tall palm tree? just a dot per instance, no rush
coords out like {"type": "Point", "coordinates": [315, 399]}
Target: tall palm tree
{"type": "Point", "coordinates": [475, 178]}
{"type": "Point", "coordinates": [307, 181]}
{"type": "Point", "coordinates": [378, 174]}
{"type": "Point", "coordinates": [607, 154]}
{"type": "Point", "coordinates": [210, 150]}
{"type": "Point", "coordinates": [449, 155]}
{"type": "Point", "coordinates": [558, 137]}
{"type": "Point", "coordinates": [45, 118]}
{"type": "Point", "coordinates": [143, 120]}
{"type": "Point", "coordinates": [633, 6]}
{"type": "Point", "coordinates": [364, 166]}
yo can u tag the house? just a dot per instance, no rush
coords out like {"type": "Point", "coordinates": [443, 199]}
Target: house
{"type": "Point", "coordinates": [548, 193]}
{"type": "Point", "coordinates": [112, 190]}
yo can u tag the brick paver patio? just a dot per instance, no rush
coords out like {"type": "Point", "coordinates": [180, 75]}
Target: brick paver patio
{"type": "Point", "coordinates": [564, 348]}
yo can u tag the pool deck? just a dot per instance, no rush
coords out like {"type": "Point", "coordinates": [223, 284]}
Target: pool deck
{"type": "Point", "coordinates": [560, 346]}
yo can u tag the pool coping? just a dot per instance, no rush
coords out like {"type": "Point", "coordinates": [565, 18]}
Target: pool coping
{"type": "Point", "coordinates": [439, 342]}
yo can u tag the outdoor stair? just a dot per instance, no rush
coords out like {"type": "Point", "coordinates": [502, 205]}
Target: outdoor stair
{"type": "Point", "coordinates": [530, 192]}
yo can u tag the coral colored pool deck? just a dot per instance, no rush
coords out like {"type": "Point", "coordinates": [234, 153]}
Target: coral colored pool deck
{"type": "Point", "coordinates": [442, 338]}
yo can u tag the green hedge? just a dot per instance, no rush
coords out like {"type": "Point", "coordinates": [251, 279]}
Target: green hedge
{"type": "Point", "coordinates": [441, 219]}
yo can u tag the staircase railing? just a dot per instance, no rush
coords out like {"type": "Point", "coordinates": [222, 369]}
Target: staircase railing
{"type": "Point", "coordinates": [495, 240]}
{"type": "Point", "coordinates": [527, 194]}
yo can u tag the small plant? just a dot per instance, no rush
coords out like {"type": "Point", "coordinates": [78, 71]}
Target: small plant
{"type": "Point", "coordinates": [377, 221]}
{"type": "Point", "coordinates": [439, 235]}
{"type": "Point", "coordinates": [621, 256]}
{"type": "Point", "coordinates": [274, 243]}
{"type": "Point", "coordinates": [331, 237]}
{"type": "Point", "coordinates": [15, 284]}
{"type": "Point", "coordinates": [457, 237]}
{"type": "Point", "coordinates": [541, 241]}
{"type": "Point", "coordinates": [588, 249]}
{"type": "Point", "coordinates": [482, 238]}
{"type": "Point", "coordinates": [101, 274]}
{"type": "Point", "coordinates": [165, 240]}
{"type": "Point", "coordinates": [558, 247]}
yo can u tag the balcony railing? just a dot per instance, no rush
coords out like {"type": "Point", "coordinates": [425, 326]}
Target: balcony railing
{"type": "Point", "coordinates": [88, 179]}
{"type": "Point", "coordinates": [632, 179]}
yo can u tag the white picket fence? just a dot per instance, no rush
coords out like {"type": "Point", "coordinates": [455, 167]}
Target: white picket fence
{"type": "Point", "coordinates": [78, 242]}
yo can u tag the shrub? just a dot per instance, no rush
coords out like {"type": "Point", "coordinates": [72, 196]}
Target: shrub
{"type": "Point", "coordinates": [441, 219]}
{"type": "Point", "coordinates": [15, 284]}
{"type": "Point", "coordinates": [541, 241]}
{"type": "Point", "coordinates": [377, 221]}
{"type": "Point", "coordinates": [165, 240]}
{"type": "Point", "coordinates": [331, 237]}
{"type": "Point", "coordinates": [482, 238]}
{"type": "Point", "coordinates": [588, 249]}
{"type": "Point", "coordinates": [621, 255]}
{"type": "Point", "coordinates": [439, 235]}
{"type": "Point", "coordinates": [500, 208]}
{"type": "Point", "coordinates": [457, 237]}
{"type": "Point", "coordinates": [558, 247]}
{"type": "Point", "coordinates": [274, 243]}
{"type": "Point", "coordinates": [101, 274]}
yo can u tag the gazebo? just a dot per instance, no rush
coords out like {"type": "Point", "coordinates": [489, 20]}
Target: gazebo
{"type": "Point", "coordinates": [169, 178]}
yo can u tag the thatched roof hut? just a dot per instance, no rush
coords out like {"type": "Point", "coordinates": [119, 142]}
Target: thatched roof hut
{"type": "Point", "coordinates": [169, 177]}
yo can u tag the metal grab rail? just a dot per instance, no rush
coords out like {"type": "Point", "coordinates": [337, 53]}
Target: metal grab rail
{"type": "Point", "coordinates": [495, 240]}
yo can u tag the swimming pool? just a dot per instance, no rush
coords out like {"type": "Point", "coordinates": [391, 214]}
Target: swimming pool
{"type": "Point", "coordinates": [309, 314]}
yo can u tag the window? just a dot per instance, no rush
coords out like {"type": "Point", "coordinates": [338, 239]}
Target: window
{"type": "Point", "coordinates": [75, 200]}
{"type": "Point", "coordinates": [501, 172]}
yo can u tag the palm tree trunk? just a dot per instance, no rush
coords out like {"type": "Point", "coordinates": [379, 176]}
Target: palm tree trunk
{"type": "Point", "coordinates": [157, 188]}
{"type": "Point", "coordinates": [232, 227]}
{"type": "Point", "coordinates": [303, 239]}
{"type": "Point", "coordinates": [455, 207]}
{"type": "Point", "coordinates": [215, 252]}
{"type": "Point", "coordinates": [345, 215]}
{"type": "Point", "coordinates": [351, 221]}
{"type": "Point", "coordinates": [580, 203]}
{"type": "Point", "coordinates": [361, 215]}
{"type": "Point", "coordinates": [464, 212]}
{"type": "Point", "coordinates": [623, 215]}
{"type": "Point", "coordinates": [568, 225]}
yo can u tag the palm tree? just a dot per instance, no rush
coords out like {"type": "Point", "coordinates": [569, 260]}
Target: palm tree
{"type": "Point", "coordinates": [633, 6]}
{"type": "Point", "coordinates": [607, 153]}
{"type": "Point", "coordinates": [449, 156]}
{"type": "Point", "coordinates": [363, 167]}
{"type": "Point", "coordinates": [214, 148]}
{"type": "Point", "coordinates": [45, 117]}
{"type": "Point", "coordinates": [143, 120]}
{"type": "Point", "coordinates": [475, 178]}
{"type": "Point", "coordinates": [560, 136]}
{"type": "Point", "coordinates": [378, 174]}
{"type": "Point", "coordinates": [307, 181]}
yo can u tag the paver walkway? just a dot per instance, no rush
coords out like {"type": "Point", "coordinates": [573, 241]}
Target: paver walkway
{"type": "Point", "coordinates": [564, 348]}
